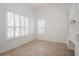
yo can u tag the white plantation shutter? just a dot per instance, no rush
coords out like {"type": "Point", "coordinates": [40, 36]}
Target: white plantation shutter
{"type": "Point", "coordinates": [10, 19]}
{"type": "Point", "coordinates": [10, 24]}
{"type": "Point", "coordinates": [17, 32]}
{"type": "Point", "coordinates": [17, 20]}
{"type": "Point", "coordinates": [41, 26]}
{"type": "Point", "coordinates": [22, 21]}
{"type": "Point", "coordinates": [10, 32]}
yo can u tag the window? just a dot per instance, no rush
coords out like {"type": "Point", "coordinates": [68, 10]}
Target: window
{"type": "Point", "coordinates": [41, 26]}
{"type": "Point", "coordinates": [16, 25]}
{"type": "Point", "coordinates": [10, 24]}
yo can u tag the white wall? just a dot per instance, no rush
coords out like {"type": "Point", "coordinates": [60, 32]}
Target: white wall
{"type": "Point", "coordinates": [21, 9]}
{"type": "Point", "coordinates": [55, 16]}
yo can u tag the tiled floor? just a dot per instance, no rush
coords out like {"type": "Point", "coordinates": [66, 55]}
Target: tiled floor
{"type": "Point", "coordinates": [40, 48]}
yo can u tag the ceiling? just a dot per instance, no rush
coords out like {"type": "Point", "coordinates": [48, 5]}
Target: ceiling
{"type": "Point", "coordinates": [38, 5]}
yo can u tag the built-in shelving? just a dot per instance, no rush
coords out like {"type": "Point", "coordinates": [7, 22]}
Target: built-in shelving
{"type": "Point", "coordinates": [74, 27]}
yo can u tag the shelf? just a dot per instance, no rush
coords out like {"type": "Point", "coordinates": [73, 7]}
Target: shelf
{"type": "Point", "coordinates": [72, 40]}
